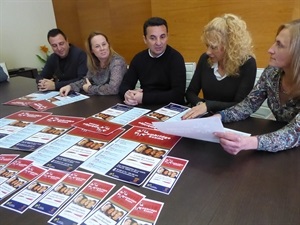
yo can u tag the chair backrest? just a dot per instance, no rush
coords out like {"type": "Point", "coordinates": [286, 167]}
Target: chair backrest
{"type": "Point", "coordinates": [258, 74]}
{"type": "Point", "coordinates": [190, 69]}
{"type": "Point", "coordinates": [5, 71]}
{"type": "Point", "coordinates": [264, 111]}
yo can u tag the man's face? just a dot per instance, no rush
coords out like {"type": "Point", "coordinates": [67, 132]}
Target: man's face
{"type": "Point", "coordinates": [156, 39]}
{"type": "Point", "coordinates": [60, 45]}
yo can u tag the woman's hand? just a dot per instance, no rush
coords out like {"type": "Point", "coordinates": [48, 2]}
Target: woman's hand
{"type": "Point", "coordinates": [87, 84]}
{"type": "Point", "coordinates": [195, 111]}
{"type": "Point", "coordinates": [234, 143]}
{"type": "Point", "coordinates": [64, 91]}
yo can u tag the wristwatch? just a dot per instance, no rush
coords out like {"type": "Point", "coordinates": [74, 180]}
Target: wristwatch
{"type": "Point", "coordinates": [199, 103]}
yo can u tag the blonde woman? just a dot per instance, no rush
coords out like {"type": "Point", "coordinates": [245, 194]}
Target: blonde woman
{"type": "Point", "coordinates": [226, 72]}
{"type": "Point", "coordinates": [105, 69]}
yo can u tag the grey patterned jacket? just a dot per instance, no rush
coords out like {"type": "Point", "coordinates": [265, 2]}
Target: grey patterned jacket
{"type": "Point", "coordinates": [268, 87]}
{"type": "Point", "coordinates": [105, 81]}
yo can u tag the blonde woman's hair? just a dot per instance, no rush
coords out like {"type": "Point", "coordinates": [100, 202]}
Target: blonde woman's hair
{"type": "Point", "coordinates": [230, 31]}
{"type": "Point", "coordinates": [294, 29]}
{"type": "Point", "coordinates": [93, 62]}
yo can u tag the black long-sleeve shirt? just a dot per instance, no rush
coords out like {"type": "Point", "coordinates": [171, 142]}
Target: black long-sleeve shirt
{"type": "Point", "coordinates": [220, 94]}
{"type": "Point", "coordinates": [162, 79]}
{"type": "Point", "coordinates": [66, 70]}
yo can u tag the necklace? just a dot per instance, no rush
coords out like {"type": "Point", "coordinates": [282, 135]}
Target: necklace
{"type": "Point", "coordinates": [282, 88]}
{"type": "Point", "coordinates": [283, 91]}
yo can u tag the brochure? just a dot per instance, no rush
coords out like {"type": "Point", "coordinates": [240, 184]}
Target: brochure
{"type": "Point", "coordinates": [21, 201]}
{"type": "Point", "coordinates": [36, 96]}
{"type": "Point", "coordinates": [170, 112]}
{"type": "Point", "coordinates": [83, 203]}
{"type": "Point", "coordinates": [70, 150]}
{"type": "Point", "coordinates": [5, 159]}
{"type": "Point", "coordinates": [115, 208]}
{"type": "Point", "coordinates": [98, 126]}
{"type": "Point", "coordinates": [120, 114]}
{"type": "Point", "coordinates": [42, 101]}
{"type": "Point", "coordinates": [166, 175]}
{"type": "Point", "coordinates": [18, 121]}
{"type": "Point", "coordinates": [19, 180]}
{"type": "Point", "coordinates": [39, 133]}
{"type": "Point", "coordinates": [145, 213]}
{"type": "Point", "coordinates": [13, 168]}
{"type": "Point", "coordinates": [61, 193]}
{"type": "Point", "coordinates": [132, 156]}
{"type": "Point", "coordinates": [56, 101]}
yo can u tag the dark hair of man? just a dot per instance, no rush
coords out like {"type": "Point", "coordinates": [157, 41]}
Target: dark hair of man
{"type": "Point", "coordinates": [54, 32]}
{"type": "Point", "coordinates": [154, 21]}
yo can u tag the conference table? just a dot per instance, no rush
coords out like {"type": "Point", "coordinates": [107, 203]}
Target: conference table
{"type": "Point", "coordinates": [251, 188]}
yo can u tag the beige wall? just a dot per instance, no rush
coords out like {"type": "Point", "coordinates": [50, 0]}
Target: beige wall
{"type": "Point", "coordinates": [122, 21]}
{"type": "Point", "coordinates": [23, 28]}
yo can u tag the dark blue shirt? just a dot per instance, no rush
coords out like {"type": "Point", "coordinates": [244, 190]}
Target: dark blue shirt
{"type": "Point", "coordinates": [66, 70]}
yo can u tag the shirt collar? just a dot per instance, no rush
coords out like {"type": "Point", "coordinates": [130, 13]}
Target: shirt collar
{"type": "Point", "coordinates": [154, 56]}
{"type": "Point", "coordinates": [216, 72]}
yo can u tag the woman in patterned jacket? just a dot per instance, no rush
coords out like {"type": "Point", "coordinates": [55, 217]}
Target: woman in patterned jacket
{"type": "Point", "coordinates": [280, 85]}
{"type": "Point", "coordinates": [106, 69]}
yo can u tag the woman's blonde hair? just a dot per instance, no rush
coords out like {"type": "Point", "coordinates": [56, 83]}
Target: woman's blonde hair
{"type": "Point", "coordinates": [294, 29]}
{"type": "Point", "coordinates": [230, 31]}
{"type": "Point", "coordinates": [93, 62]}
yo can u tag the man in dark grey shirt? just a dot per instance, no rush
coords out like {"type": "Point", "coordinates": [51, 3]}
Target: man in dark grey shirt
{"type": "Point", "coordinates": [67, 64]}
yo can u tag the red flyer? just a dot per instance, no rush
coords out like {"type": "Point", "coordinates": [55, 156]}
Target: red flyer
{"type": "Point", "coordinates": [33, 97]}
{"type": "Point", "coordinates": [19, 102]}
{"type": "Point", "coordinates": [12, 127]}
{"type": "Point", "coordinates": [13, 168]}
{"type": "Point", "coordinates": [170, 112]}
{"type": "Point", "coordinates": [166, 175]}
{"type": "Point", "coordinates": [146, 213]}
{"type": "Point", "coordinates": [151, 137]}
{"type": "Point", "coordinates": [59, 121]}
{"type": "Point", "coordinates": [98, 126]}
{"type": "Point", "coordinates": [21, 201]}
{"type": "Point", "coordinates": [87, 143]}
{"type": "Point", "coordinates": [61, 193]}
{"type": "Point", "coordinates": [120, 114]}
{"type": "Point", "coordinates": [57, 100]}
{"type": "Point", "coordinates": [115, 208]}
{"type": "Point", "coordinates": [42, 101]}
{"type": "Point", "coordinates": [93, 135]}
{"type": "Point", "coordinates": [41, 105]}
{"type": "Point", "coordinates": [28, 116]}
{"type": "Point", "coordinates": [83, 203]}
{"type": "Point", "coordinates": [132, 156]}
{"type": "Point", "coordinates": [144, 121]}
{"type": "Point", "coordinates": [19, 180]}
{"type": "Point", "coordinates": [40, 133]}
{"type": "Point", "coordinates": [5, 159]}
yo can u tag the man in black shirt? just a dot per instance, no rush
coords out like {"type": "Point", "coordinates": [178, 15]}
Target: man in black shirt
{"type": "Point", "coordinates": [66, 65]}
{"type": "Point", "coordinates": [160, 70]}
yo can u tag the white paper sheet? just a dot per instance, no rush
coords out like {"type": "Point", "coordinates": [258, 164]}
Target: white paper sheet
{"type": "Point", "coordinates": [201, 129]}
